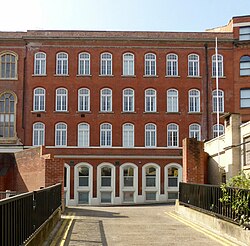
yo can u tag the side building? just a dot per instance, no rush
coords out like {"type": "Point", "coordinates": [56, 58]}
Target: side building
{"type": "Point", "coordinates": [115, 106]}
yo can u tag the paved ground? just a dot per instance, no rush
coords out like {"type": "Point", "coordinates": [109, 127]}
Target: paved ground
{"type": "Point", "coordinates": [128, 226]}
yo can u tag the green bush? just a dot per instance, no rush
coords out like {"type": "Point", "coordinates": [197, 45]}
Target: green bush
{"type": "Point", "coordinates": [240, 200]}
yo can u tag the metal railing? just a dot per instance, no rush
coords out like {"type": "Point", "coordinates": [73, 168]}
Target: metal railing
{"type": "Point", "coordinates": [6, 194]}
{"type": "Point", "coordinates": [207, 199]}
{"type": "Point", "coordinates": [22, 215]}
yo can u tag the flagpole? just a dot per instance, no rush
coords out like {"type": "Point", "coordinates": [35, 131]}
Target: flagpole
{"type": "Point", "coordinates": [217, 97]}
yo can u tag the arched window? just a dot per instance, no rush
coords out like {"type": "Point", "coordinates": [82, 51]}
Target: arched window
{"type": "Point", "coordinates": [106, 100]}
{"type": "Point", "coordinates": [61, 135]}
{"type": "Point", "coordinates": [128, 100]}
{"type": "Point", "coordinates": [40, 63]}
{"type": "Point", "coordinates": [193, 65]}
{"type": "Point", "coordinates": [150, 64]}
{"type": "Point", "coordinates": [106, 64]}
{"type": "Point", "coordinates": [173, 176]}
{"type": "Point", "coordinates": [245, 66]}
{"type": "Point", "coordinates": [194, 100]}
{"type": "Point", "coordinates": [128, 135]}
{"type": "Point", "coordinates": [217, 131]}
{"type": "Point", "coordinates": [150, 100]}
{"type": "Point", "coordinates": [8, 66]}
{"type": "Point", "coordinates": [220, 100]}
{"type": "Point", "coordinates": [62, 63]}
{"type": "Point", "coordinates": [7, 115]}
{"type": "Point", "coordinates": [83, 135]}
{"type": "Point", "coordinates": [150, 135]}
{"type": "Point", "coordinates": [61, 99]}
{"type": "Point", "coordinates": [195, 131]}
{"type": "Point", "coordinates": [128, 64]}
{"type": "Point", "coordinates": [172, 65]}
{"type": "Point", "coordinates": [106, 135]}
{"type": "Point", "coordinates": [84, 64]}
{"type": "Point", "coordinates": [173, 135]}
{"type": "Point", "coordinates": [39, 99]}
{"type": "Point", "coordinates": [83, 99]}
{"type": "Point", "coordinates": [220, 66]}
{"type": "Point", "coordinates": [38, 134]}
{"type": "Point", "coordinates": [172, 100]}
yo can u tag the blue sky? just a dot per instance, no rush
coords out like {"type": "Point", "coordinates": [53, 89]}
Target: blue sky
{"type": "Point", "coordinates": [123, 15]}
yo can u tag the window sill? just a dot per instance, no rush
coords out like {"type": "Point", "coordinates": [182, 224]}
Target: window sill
{"type": "Point", "coordinates": [150, 76]}
{"type": "Point", "coordinates": [220, 77]}
{"type": "Point", "coordinates": [61, 75]}
{"type": "Point", "coordinates": [8, 78]}
{"type": "Point", "coordinates": [61, 112]}
{"type": "Point", "coordinates": [128, 112]}
{"type": "Point", "coordinates": [146, 112]}
{"type": "Point", "coordinates": [83, 112]}
{"type": "Point", "coordinates": [106, 75]}
{"type": "Point", "coordinates": [173, 112]}
{"type": "Point", "coordinates": [172, 76]}
{"type": "Point", "coordinates": [194, 77]}
{"type": "Point", "coordinates": [245, 75]}
{"type": "Point", "coordinates": [106, 112]}
{"type": "Point", "coordinates": [83, 75]}
{"type": "Point", "coordinates": [128, 76]}
{"type": "Point", "coordinates": [39, 75]}
{"type": "Point", "coordinates": [221, 113]}
{"type": "Point", "coordinates": [38, 112]}
{"type": "Point", "coordinates": [199, 113]}
{"type": "Point", "coordinates": [13, 140]}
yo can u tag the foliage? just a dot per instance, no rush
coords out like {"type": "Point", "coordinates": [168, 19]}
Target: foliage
{"type": "Point", "coordinates": [238, 199]}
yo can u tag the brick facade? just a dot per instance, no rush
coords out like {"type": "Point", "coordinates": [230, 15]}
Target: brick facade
{"type": "Point", "coordinates": [162, 162]}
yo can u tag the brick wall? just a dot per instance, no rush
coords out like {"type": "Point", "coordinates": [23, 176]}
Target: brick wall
{"type": "Point", "coordinates": [194, 162]}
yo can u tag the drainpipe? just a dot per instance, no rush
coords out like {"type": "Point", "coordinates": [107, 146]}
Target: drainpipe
{"type": "Point", "coordinates": [206, 96]}
{"type": "Point", "coordinates": [24, 91]}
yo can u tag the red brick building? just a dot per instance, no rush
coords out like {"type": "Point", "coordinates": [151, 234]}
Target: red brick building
{"type": "Point", "coordinates": [113, 107]}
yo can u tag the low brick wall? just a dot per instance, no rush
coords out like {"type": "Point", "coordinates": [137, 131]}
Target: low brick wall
{"type": "Point", "coordinates": [226, 229]}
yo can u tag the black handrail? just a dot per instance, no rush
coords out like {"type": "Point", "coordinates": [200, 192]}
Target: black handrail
{"type": "Point", "coordinates": [22, 215]}
{"type": "Point", "coordinates": [207, 199]}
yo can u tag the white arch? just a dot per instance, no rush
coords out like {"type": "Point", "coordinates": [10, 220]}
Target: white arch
{"type": "Point", "coordinates": [168, 189]}
{"type": "Point", "coordinates": [156, 188]}
{"type": "Point", "coordinates": [78, 188]}
{"type": "Point", "coordinates": [133, 188]}
{"type": "Point", "coordinates": [100, 188]}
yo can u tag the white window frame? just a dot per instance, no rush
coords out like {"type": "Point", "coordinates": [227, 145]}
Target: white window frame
{"type": "Point", "coordinates": [83, 135]}
{"type": "Point", "coordinates": [157, 186]}
{"type": "Point", "coordinates": [150, 100]}
{"type": "Point", "coordinates": [60, 98]}
{"type": "Point", "coordinates": [83, 100]}
{"type": "Point", "coordinates": [128, 135]}
{"type": "Point", "coordinates": [128, 100]}
{"type": "Point", "coordinates": [245, 98]}
{"type": "Point", "coordinates": [220, 66]}
{"type": "Point", "coordinates": [168, 189]}
{"type": "Point", "coordinates": [221, 100]}
{"type": "Point", "coordinates": [79, 188]}
{"type": "Point", "coordinates": [173, 135]}
{"type": "Point", "coordinates": [150, 64]}
{"type": "Point", "coordinates": [38, 134]}
{"type": "Point", "coordinates": [106, 64]}
{"type": "Point", "coordinates": [195, 131]}
{"type": "Point", "coordinates": [128, 64]}
{"type": "Point", "coordinates": [67, 185]}
{"type": "Point", "coordinates": [40, 63]}
{"type": "Point", "coordinates": [11, 62]}
{"type": "Point", "coordinates": [150, 135]}
{"type": "Point", "coordinates": [101, 188]}
{"type": "Point", "coordinates": [193, 65]}
{"type": "Point", "coordinates": [133, 188]}
{"type": "Point", "coordinates": [172, 100]}
{"type": "Point", "coordinates": [62, 65]}
{"type": "Point", "coordinates": [39, 97]}
{"type": "Point", "coordinates": [244, 33]}
{"type": "Point", "coordinates": [62, 133]}
{"type": "Point", "coordinates": [106, 100]}
{"type": "Point", "coordinates": [245, 65]}
{"type": "Point", "coordinates": [194, 101]}
{"type": "Point", "coordinates": [105, 131]}
{"type": "Point", "coordinates": [84, 64]}
{"type": "Point", "coordinates": [221, 130]}
{"type": "Point", "coordinates": [172, 65]}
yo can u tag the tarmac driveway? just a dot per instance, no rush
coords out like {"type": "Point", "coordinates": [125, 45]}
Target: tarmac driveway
{"type": "Point", "coordinates": [131, 225]}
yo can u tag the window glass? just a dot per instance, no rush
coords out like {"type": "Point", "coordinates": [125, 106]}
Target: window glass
{"type": "Point", "coordinates": [8, 66]}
